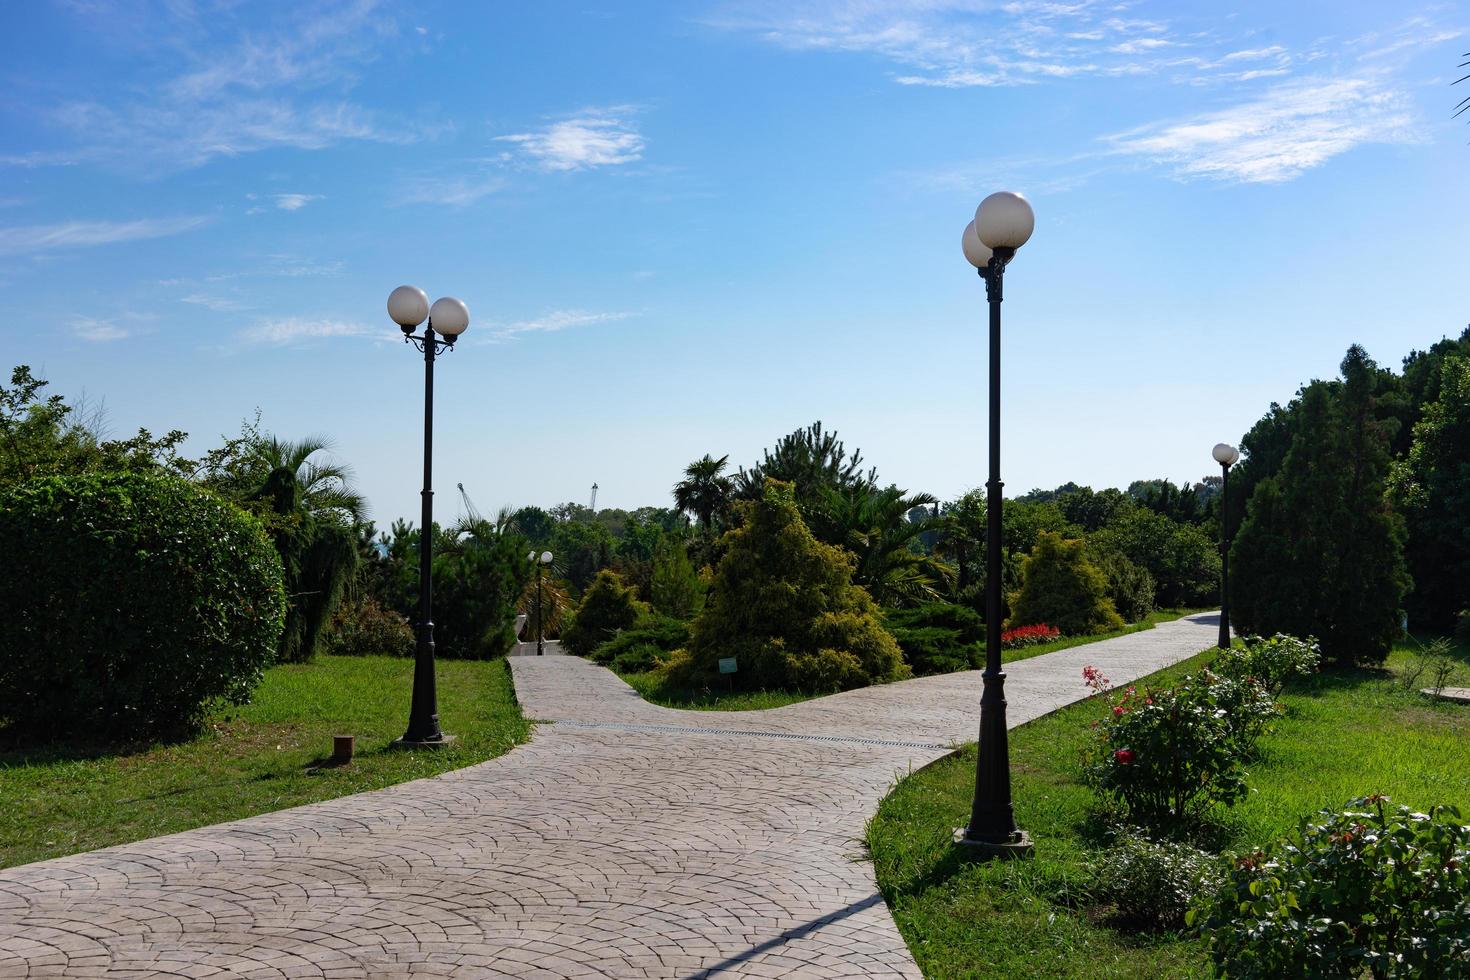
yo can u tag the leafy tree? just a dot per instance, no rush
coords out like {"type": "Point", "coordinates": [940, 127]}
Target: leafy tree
{"type": "Point", "coordinates": [582, 549]}
{"type": "Point", "coordinates": [1178, 503]}
{"type": "Point", "coordinates": [961, 538]}
{"type": "Point", "coordinates": [676, 589]}
{"type": "Point", "coordinates": [1182, 559]}
{"type": "Point", "coordinates": [607, 607]}
{"type": "Point", "coordinates": [705, 491]}
{"type": "Point", "coordinates": [1320, 552]}
{"type": "Point", "coordinates": [1091, 509]}
{"type": "Point", "coordinates": [480, 575]}
{"type": "Point", "coordinates": [1061, 588]}
{"type": "Point", "coordinates": [812, 460]}
{"type": "Point", "coordinates": [783, 604]}
{"type": "Point", "coordinates": [536, 524]}
{"type": "Point", "coordinates": [1432, 489]}
{"type": "Point", "coordinates": [875, 526]}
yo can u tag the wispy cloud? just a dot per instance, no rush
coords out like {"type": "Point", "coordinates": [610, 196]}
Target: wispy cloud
{"type": "Point", "coordinates": [453, 191]}
{"type": "Point", "coordinates": [97, 330]}
{"type": "Point", "coordinates": [215, 87]}
{"type": "Point", "coordinates": [26, 239]}
{"type": "Point", "coordinates": [285, 331]}
{"type": "Point", "coordinates": [1278, 136]}
{"type": "Point", "coordinates": [591, 138]}
{"type": "Point", "coordinates": [295, 202]}
{"type": "Point", "coordinates": [218, 304]}
{"type": "Point", "coordinates": [554, 321]}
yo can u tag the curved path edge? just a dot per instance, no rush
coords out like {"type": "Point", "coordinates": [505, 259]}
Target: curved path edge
{"type": "Point", "coordinates": [624, 840]}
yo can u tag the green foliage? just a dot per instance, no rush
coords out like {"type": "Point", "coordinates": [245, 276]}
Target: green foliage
{"type": "Point", "coordinates": [1270, 663]}
{"type": "Point", "coordinates": [363, 628]}
{"type": "Point", "coordinates": [132, 602]}
{"type": "Point", "coordinates": [1366, 890]}
{"type": "Point", "coordinates": [676, 588]}
{"type": "Point", "coordinates": [1061, 588]}
{"type": "Point", "coordinates": [705, 491]}
{"type": "Point", "coordinates": [1182, 559]}
{"type": "Point", "coordinates": [607, 607]}
{"type": "Point", "coordinates": [1320, 552]}
{"type": "Point", "coordinates": [1166, 754]}
{"type": "Point", "coordinates": [1150, 884]}
{"type": "Point", "coordinates": [1130, 587]}
{"type": "Point", "coordinates": [582, 549]}
{"type": "Point", "coordinates": [783, 603]}
{"type": "Point", "coordinates": [664, 633]}
{"type": "Point", "coordinates": [813, 461]}
{"type": "Point", "coordinates": [1431, 488]}
{"type": "Point", "coordinates": [938, 637]}
{"type": "Point", "coordinates": [480, 574]}
{"type": "Point", "coordinates": [874, 525]}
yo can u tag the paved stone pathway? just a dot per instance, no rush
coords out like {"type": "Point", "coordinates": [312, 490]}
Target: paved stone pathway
{"type": "Point", "coordinates": [625, 840]}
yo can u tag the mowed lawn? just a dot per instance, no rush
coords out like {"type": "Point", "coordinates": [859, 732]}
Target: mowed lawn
{"type": "Point", "coordinates": [1344, 735]}
{"type": "Point", "coordinates": [263, 756]}
{"type": "Point", "coordinates": [655, 688]}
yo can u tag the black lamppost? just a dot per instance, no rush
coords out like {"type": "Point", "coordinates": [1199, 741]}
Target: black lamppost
{"type": "Point", "coordinates": [449, 317]}
{"type": "Point", "coordinates": [1003, 223]}
{"type": "Point", "coordinates": [1225, 455]}
{"type": "Point", "coordinates": [543, 560]}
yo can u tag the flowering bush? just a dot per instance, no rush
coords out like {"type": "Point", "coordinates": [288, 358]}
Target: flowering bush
{"type": "Point", "coordinates": [1150, 884]}
{"type": "Point", "coordinates": [1367, 890]}
{"type": "Point", "coordinates": [1025, 636]}
{"type": "Point", "coordinates": [1272, 662]}
{"type": "Point", "coordinates": [1163, 754]}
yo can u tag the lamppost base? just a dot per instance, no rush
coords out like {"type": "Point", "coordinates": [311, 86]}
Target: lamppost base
{"type": "Point", "coordinates": [979, 850]}
{"type": "Point", "coordinates": [422, 743]}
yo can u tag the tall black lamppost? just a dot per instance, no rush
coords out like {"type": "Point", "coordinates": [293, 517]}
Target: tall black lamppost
{"type": "Point", "coordinates": [1225, 455]}
{"type": "Point", "coordinates": [449, 317]}
{"type": "Point", "coordinates": [1003, 223]}
{"type": "Point", "coordinates": [541, 561]}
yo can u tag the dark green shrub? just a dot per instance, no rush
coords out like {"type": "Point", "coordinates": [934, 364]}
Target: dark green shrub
{"type": "Point", "coordinates": [1130, 587]}
{"type": "Point", "coordinates": [662, 632]}
{"type": "Point", "coordinates": [1365, 891]}
{"type": "Point", "coordinates": [1271, 662]}
{"type": "Point", "coordinates": [132, 601]}
{"type": "Point", "coordinates": [638, 658]}
{"type": "Point", "coordinates": [784, 605]}
{"type": "Point", "coordinates": [675, 587]}
{"type": "Point", "coordinates": [607, 607]}
{"type": "Point", "coordinates": [1151, 884]}
{"type": "Point", "coordinates": [938, 637]}
{"type": "Point", "coordinates": [1061, 588]}
{"type": "Point", "coordinates": [363, 628]}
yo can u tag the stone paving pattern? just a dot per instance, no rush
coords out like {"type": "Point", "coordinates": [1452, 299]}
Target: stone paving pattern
{"type": "Point", "coordinates": [626, 840]}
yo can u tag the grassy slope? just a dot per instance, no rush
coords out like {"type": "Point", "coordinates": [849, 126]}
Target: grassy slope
{"type": "Point", "coordinates": [253, 759]}
{"type": "Point", "coordinates": [1343, 736]}
{"type": "Point", "coordinates": [651, 686]}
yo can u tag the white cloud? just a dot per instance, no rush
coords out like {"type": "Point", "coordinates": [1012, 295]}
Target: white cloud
{"type": "Point", "coordinates": [295, 202]}
{"type": "Point", "coordinates": [556, 320]}
{"type": "Point", "coordinates": [97, 330]}
{"type": "Point", "coordinates": [82, 234]}
{"type": "Point", "coordinates": [453, 191]}
{"type": "Point", "coordinates": [283, 331]}
{"type": "Point", "coordinates": [591, 138]}
{"type": "Point", "coordinates": [1278, 136]}
{"type": "Point", "coordinates": [219, 304]}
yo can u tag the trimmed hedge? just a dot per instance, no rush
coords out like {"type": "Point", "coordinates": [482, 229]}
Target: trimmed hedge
{"type": "Point", "coordinates": [133, 601]}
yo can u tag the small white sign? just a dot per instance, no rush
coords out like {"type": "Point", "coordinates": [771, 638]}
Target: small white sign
{"type": "Point", "coordinates": [727, 665]}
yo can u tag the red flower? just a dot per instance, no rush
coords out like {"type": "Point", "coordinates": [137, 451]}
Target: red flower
{"type": "Point", "coordinates": [1124, 756]}
{"type": "Point", "coordinates": [1118, 710]}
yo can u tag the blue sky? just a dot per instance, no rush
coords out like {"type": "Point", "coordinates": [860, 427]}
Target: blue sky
{"type": "Point", "coordinates": [693, 227]}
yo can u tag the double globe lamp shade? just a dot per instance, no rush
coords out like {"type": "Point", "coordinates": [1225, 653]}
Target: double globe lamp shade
{"type": "Point", "coordinates": [409, 306]}
{"type": "Point", "coordinates": [1004, 220]}
{"type": "Point", "coordinates": [545, 557]}
{"type": "Point", "coordinates": [1225, 455]}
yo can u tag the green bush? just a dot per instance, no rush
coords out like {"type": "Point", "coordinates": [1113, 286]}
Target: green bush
{"type": "Point", "coordinates": [637, 658]}
{"type": "Point", "coordinates": [607, 607]}
{"type": "Point", "coordinates": [1365, 891]}
{"type": "Point", "coordinates": [784, 605]}
{"type": "Point", "coordinates": [132, 602]}
{"type": "Point", "coordinates": [1271, 662]}
{"type": "Point", "coordinates": [663, 633]}
{"type": "Point", "coordinates": [1130, 587]}
{"type": "Point", "coordinates": [1166, 754]}
{"type": "Point", "coordinates": [938, 637]}
{"type": "Point", "coordinates": [1061, 588]}
{"type": "Point", "coordinates": [1151, 884]}
{"type": "Point", "coordinates": [363, 628]}
{"type": "Point", "coordinates": [675, 587]}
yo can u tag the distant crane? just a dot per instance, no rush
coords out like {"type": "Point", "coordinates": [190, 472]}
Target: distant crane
{"type": "Point", "coordinates": [593, 505]}
{"type": "Point", "coordinates": [469, 505]}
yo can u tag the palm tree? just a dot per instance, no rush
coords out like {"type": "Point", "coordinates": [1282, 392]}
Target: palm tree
{"type": "Point", "coordinates": [704, 490]}
{"type": "Point", "coordinates": [874, 525]}
{"type": "Point", "coordinates": [325, 484]}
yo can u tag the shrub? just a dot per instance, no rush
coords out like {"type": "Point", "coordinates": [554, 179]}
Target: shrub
{"type": "Point", "coordinates": [1366, 890]}
{"type": "Point", "coordinates": [1149, 884]}
{"type": "Point", "coordinates": [784, 605]}
{"type": "Point", "coordinates": [1061, 587]}
{"type": "Point", "coordinates": [1130, 587]}
{"type": "Point", "coordinates": [1027, 636]}
{"type": "Point", "coordinates": [676, 588]}
{"type": "Point", "coordinates": [132, 601]}
{"type": "Point", "coordinates": [1271, 662]}
{"type": "Point", "coordinates": [663, 633]}
{"type": "Point", "coordinates": [364, 628]}
{"type": "Point", "coordinates": [607, 607]}
{"type": "Point", "coordinates": [1165, 754]}
{"type": "Point", "coordinates": [938, 637]}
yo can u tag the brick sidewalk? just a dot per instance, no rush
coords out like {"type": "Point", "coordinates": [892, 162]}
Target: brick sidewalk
{"type": "Point", "coordinates": [625, 840]}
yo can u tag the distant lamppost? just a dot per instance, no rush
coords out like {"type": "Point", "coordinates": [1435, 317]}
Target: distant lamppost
{"type": "Point", "coordinates": [1225, 455]}
{"type": "Point", "coordinates": [1003, 223]}
{"type": "Point", "coordinates": [541, 562]}
{"type": "Point", "coordinates": [449, 317]}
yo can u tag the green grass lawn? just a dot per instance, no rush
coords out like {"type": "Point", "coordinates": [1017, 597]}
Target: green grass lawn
{"type": "Point", "coordinates": [1343, 735]}
{"type": "Point", "coordinates": [651, 685]}
{"type": "Point", "coordinates": [263, 756]}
